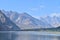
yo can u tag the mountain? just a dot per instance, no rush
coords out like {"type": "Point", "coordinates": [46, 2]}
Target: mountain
{"type": "Point", "coordinates": [26, 21]}
{"type": "Point", "coordinates": [6, 24]}
{"type": "Point", "coordinates": [53, 19]}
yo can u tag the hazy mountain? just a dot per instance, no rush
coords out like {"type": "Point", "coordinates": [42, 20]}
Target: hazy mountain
{"type": "Point", "coordinates": [53, 20]}
{"type": "Point", "coordinates": [6, 23]}
{"type": "Point", "coordinates": [26, 21]}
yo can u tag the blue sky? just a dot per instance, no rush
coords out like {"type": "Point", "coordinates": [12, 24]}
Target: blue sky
{"type": "Point", "coordinates": [35, 8]}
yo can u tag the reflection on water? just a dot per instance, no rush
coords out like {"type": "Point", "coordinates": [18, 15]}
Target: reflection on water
{"type": "Point", "coordinates": [25, 36]}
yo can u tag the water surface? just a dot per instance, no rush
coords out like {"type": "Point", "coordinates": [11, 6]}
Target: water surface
{"type": "Point", "coordinates": [28, 35]}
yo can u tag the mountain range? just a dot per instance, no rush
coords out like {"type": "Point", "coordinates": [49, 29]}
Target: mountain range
{"type": "Point", "coordinates": [6, 23]}
{"type": "Point", "coordinates": [14, 20]}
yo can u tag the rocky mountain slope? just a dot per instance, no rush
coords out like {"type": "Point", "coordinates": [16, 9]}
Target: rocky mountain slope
{"type": "Point", "coordinates": [6, 24]}
{"type": "Point", "coordinates": [26, 21]}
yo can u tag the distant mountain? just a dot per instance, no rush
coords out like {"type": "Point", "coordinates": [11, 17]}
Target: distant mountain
{"type": "Point", "coordinates": [52, 20]}
{"type": "Point", "coordinates": [6, 24]}
{"type": "Point", "coordinates": [26, 21]}
{"type": "Point", "coordinates": [9, 20]}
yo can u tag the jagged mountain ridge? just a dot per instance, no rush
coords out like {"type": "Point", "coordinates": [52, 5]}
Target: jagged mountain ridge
{"type": "Point", "coordinates": [6, 24]}
{"type": "Point", "coordinates": [53, 20]}
{"type": "Point", "coordinates": [26, 21]}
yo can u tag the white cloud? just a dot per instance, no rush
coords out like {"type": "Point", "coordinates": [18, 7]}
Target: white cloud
{"type": "Point", "coordinates": [37, 8]}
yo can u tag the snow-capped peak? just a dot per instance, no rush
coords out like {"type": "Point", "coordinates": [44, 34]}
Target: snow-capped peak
{"type": "Point", "coordinates": [55, 14]}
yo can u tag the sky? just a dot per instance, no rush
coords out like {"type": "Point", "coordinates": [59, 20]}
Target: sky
{"type": "Point", "coordinates": [36, 8]}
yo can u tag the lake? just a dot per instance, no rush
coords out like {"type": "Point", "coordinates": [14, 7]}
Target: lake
{"type": "Point", "coordinates": [28, 35]}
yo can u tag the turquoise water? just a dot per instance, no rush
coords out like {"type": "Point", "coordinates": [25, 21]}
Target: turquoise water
{"type": "Point", "coordinates": [27, 35]}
